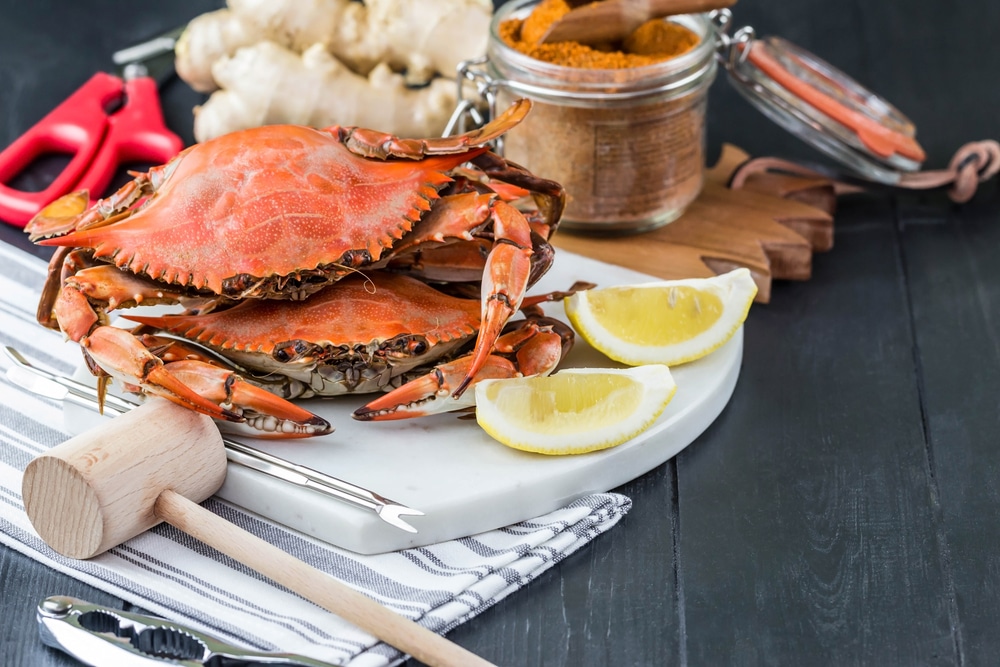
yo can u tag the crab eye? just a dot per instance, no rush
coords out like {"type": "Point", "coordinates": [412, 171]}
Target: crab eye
{"type": "Point", "coordinates": [290, 351]}
{"type": "Point", "coordinates": [405, 346]}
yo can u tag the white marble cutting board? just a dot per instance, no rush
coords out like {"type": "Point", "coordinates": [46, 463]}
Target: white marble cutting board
{"type": "Point", "coordinates": [464, 481]}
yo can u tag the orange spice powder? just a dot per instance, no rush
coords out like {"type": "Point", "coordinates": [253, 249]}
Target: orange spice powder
{"type": "Point", "coordinates": [652, 42]}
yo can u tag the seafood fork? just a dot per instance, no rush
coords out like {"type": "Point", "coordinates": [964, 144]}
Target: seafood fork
{"type": "Point", "coordinates": [50, 385]}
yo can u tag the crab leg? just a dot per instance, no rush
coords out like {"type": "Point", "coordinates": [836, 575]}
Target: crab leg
{"type": "Point", "coordinates": [371, 143]}
{"type": "Point", "coordinates": [59, 217]}
{"type": "Point", "coordinates": [508, 269]}
{"type": "Point", "coordinates": [549, 196]}
{"type": "Point", "coordinates": [505, 280]}
{"type": "Point", "coordinates": [212, 390]}
{"type": "Point", "coordinates": [109, 285]}
{"type": "Point", "coordinates": [62, 260]}
{"type": "Point", "coordinates": [69, 213]}
{"type": "Point", "coordinates": [535, 346]}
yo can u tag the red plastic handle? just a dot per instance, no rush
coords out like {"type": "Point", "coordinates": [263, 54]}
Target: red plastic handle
{"type": "Point", "coordinates": [136, 133]}
{"type": "Point", "coordinates": [78, 125]}
{"type": "Point", "coordinates": [879, 139]}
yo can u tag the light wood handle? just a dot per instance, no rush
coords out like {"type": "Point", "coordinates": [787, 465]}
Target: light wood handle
{"type": "Point", "coordinates": [312, 584]}
{"type": "Point", "coordinates": [612, 20]}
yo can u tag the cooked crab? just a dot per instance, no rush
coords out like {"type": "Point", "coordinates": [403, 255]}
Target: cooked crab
{"type": "Point", "coordinates": [279, 212]}
{"type": "Point", "coordinates": [363, 334]}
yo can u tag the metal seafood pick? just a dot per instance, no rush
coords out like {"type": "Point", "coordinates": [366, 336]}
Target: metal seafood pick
{"type": "Point", "coordinates": [44, 383]}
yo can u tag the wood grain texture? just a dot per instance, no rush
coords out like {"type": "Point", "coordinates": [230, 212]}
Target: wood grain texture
{"type": "Point", "coordinates": [98, 489]}
{"type": "Point", "coordinates": [809, 536]}
{"type": "Point", "coordinates": [953, 280]}
{"type": "Point", "coordinates": [809, 532]}
{"type": "Point", "coordinates": [312, 584]}
{"type": "Point", "coordinates": [816, 193]}
{"type": "Point", "coordinates": [579, 614]}
{"type": "Point", "coordinates": [613, 20]}
{"type": "Point", "coordinates": [814, 224]}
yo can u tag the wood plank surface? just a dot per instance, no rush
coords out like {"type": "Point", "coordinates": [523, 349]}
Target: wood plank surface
{"type": "Point", "coordinates": [803, 536]}
{"type": "Point", "coordinates": [23, 584]}
{"type": "Point", "coordinates": [953, 278]}
{"type": "Point", "coordinates": [809, 536]}
{"type": "Point", "coordinates": [575, 614]}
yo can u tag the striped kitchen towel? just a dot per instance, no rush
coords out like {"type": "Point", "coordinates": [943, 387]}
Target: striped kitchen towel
{"type": "Point", "coordinates": [170, 574]}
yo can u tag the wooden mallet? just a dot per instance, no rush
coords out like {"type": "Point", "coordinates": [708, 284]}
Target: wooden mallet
{"type": "Point", "coordinates": [156, 463]}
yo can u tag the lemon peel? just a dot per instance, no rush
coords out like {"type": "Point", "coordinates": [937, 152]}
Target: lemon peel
{"type": "Point", "coordinates": [663, 322]}
{"type": "Point", "coordinates": [574, 411]}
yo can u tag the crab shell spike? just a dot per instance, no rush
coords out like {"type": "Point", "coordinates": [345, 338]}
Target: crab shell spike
{"type": "Point", "coordinates": [161, 239]}
{"type": "Point", "coordinates": [371, 143]}
{"type": "Point", "coordinates": [345, 313]}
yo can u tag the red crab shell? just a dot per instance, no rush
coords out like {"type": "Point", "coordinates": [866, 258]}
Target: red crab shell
{"type": "Point", "coordinates": [357, 311]}
{"type": "Point", "coordinates": [297, 199]}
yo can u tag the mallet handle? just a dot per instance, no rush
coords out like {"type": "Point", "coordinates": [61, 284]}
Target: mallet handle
{"type": "Point", "coordinates": [312, 584]}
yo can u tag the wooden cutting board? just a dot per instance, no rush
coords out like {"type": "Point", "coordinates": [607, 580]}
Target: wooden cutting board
{"type": "Point", "coordinates": [771, 225]}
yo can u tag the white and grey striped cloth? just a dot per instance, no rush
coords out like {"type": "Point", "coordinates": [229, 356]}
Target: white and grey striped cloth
{"type": "Point", "coordinates": [170, 574]}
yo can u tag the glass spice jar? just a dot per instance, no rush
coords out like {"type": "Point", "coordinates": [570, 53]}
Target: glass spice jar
{"type": "Point", "coordinates": [627, 144]}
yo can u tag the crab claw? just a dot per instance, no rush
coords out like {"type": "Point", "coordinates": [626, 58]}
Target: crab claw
{"type": "Point", "coordinates": [119, 354]}
{"type": "Point", "coordinates": [532, 347]}
{"type": "Point", "coordinates": [265, 415]}
{"type": "Point", "coordinates": [199, 386]}
{"type": "Point", "coordinates": [59, 217]}
{"type": "Point", "coordinates": [505, 280]}
{"type": "Point", "coordinates": [432, 393]}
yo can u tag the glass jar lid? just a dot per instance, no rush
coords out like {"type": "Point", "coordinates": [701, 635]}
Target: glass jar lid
{"type": "Point", "coordinates": [820, 104]}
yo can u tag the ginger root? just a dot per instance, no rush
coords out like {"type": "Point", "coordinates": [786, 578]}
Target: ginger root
{"type": "Point", "coordinates": [267, 83]}
{"type": "Point", "coordinates": [421, 38]}
{"type": "Point", "coordinates": [362, 55]}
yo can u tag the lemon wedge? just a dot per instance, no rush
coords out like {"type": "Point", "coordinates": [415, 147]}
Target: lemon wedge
{"type": "Point", "coordinates": [663, 322]}
{"type": "Point", "coordinates": [576, 410]}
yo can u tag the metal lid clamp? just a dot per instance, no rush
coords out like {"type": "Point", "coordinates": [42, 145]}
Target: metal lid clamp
{"type": "Point", "coordinates": [838, 116]}
{"type": "Point", "coordinates": [468, 111]}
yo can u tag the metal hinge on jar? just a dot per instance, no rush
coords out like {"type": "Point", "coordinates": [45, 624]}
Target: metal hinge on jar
{"type": "Point", "coordinates": [475, 89]}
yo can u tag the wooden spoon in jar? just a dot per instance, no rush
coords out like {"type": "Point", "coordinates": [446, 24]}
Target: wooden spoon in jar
{"type": "Point", "coordinates": [613, 20]}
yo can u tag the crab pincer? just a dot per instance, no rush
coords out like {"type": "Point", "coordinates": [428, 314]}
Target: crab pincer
{"type": "Point", "coordinates": [265, 415]}
{"type": "Point", "coordinates": [199, 386]}
{"type": "Point", "coordinates": [532, 346]}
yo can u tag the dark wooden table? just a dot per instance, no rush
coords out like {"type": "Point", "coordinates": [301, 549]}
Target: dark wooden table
{"type": "Point", "coordinates": [844, 508]}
